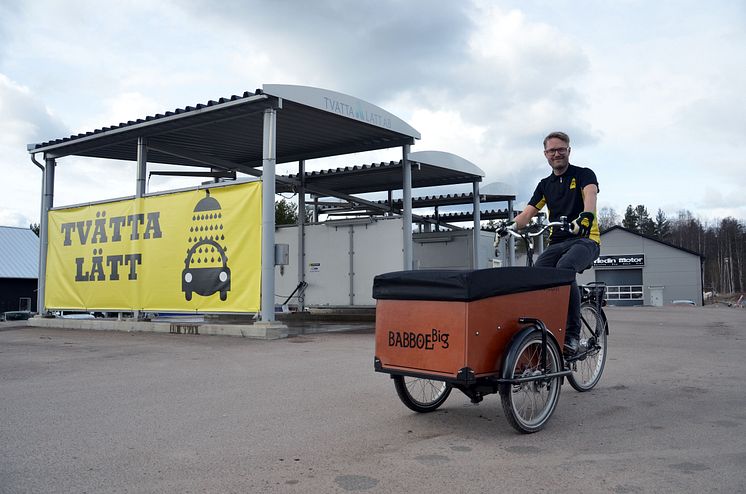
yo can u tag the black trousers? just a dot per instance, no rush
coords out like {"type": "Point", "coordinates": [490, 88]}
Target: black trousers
{"type": "Point", "coordinates": [574, 253]}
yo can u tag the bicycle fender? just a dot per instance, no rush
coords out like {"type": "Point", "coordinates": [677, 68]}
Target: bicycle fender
{"type": "Point", "coordinates": [606, 322]}
{"type": "Point", "coordinates": [512, 352]}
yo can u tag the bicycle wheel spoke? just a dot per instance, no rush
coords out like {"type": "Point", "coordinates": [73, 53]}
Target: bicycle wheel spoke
{"type": "Point", "coordinates": [421, 395]}
{"type": "Point", "coordinates": [530, 403]}
{"type": "Point", "coordinates": [589, 365]}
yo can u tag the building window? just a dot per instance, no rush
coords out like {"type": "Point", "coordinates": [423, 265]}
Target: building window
{"type": "Point", "coordinates": [624, 292]}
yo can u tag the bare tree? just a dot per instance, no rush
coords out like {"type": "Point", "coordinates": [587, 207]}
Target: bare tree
{"type": "Point", "coordinates": [723, 245]}
{"type": "Point", "coordinates": [607, 218]}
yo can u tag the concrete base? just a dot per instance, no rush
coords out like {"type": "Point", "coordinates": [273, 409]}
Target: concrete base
{"type": "Point", "coordinates": [271, 329]}
{"type": "Point", "coordinates": [258, 330]}
{"type": "Point", "coordinates": [330, 315]}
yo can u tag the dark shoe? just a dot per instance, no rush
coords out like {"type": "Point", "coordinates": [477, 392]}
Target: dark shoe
{"type": "Point", "coordinates": [571, 345]}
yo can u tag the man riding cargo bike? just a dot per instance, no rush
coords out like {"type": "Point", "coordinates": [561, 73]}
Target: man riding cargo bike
{"type": "Point", "coordinates": [500, 330]}
{"type": "Point", "coordinates": [569, 191]}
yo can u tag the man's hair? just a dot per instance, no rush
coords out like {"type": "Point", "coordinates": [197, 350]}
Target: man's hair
{"type": "Point", "coordinates": [557, 135]}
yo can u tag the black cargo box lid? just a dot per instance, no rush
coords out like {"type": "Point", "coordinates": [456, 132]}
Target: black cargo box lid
{"type": "Point", "coordinates": [466, 285]}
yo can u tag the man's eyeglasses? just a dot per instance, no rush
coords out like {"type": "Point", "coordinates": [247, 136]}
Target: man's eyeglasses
{"type": "Point", "coordinates": [550, 152]}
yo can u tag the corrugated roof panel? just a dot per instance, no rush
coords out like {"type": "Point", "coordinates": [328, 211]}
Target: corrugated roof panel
{"type": "Point", "coordinates": [159, 116]}
{"type": "Point", "coordinates": [432, 201]}
{"type": "Point", "coordinates": [232, 130]}
{"type": "Point", "coordinates": [384, 176]}
{"type": "Point", "coordinates": [19, 253]}
{"type": "Point", "coordinates": [468, 216]}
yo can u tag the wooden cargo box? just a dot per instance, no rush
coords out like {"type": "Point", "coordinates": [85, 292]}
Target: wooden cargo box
{"type": "Point", "coordinates": [456, 325]}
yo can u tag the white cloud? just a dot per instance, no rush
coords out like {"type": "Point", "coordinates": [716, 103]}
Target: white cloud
{"type": "Point", "coordinates": [446, 130]}
{"type": "Point", "coordinates": [119, 108]}
{"type": "Point", "coordinates": [24, 119]}
{"type": "Point", "coordinates": [524, 52]}
{"type": "Point", "coordinates": [727, 200]}
{"type": "Point", "coordinates": [651, 100]}
{"type": "Point", "coordinates": [16, 217]}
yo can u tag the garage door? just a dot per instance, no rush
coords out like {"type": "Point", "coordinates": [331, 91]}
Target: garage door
{"type": "Point", "coordinates": [624, 286]}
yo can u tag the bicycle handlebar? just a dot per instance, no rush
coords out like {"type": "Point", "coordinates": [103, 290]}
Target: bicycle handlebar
{"type": "Point", "coordinates": [525, 233]}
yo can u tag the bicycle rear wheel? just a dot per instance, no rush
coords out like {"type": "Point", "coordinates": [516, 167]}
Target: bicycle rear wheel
{"type": "Point", "coordinates": [421, 395]}
{"type": "Point", "coordinates": [528, 405]}
{"type": "Point", "coordinates": [587, 370]}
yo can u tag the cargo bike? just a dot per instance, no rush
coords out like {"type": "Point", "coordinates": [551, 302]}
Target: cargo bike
{"type": "Point", "coordinates": [488, 331]}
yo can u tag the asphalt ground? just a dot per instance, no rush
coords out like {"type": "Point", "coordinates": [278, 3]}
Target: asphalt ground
{"type": "Point", "coordinates": [106, 412]}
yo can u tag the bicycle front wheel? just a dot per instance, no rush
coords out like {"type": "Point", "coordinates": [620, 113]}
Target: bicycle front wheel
{"type": "Point", "coordinates": [529, 404]}
{"type": "Point", "coordinates": [587, 370]}
{"type": "Point", "coordinates": [421, 395]}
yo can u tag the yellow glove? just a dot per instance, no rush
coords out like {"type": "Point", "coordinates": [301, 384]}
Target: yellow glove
{"type": "Point", "coordinates": [582, 224]}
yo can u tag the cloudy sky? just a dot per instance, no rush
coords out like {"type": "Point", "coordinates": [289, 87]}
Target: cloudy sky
{"type": "Point", "coordinates": [651, 93]}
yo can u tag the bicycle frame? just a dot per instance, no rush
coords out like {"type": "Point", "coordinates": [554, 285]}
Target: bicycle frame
{"type": "Point", "coordinates": [593, 292]}
{"type": "Point", "coordinates": [528, 236]}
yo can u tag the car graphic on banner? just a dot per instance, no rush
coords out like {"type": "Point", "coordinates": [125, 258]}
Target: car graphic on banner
{"type": "Point", "coordinates": [206, 270]}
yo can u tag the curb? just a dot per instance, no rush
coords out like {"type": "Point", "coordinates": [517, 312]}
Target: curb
{"type": "Point", "coordinates": [262, 331]}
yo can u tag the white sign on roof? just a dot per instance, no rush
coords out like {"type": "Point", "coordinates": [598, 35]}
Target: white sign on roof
{"type": "Point", "coordinates": [341, 104]}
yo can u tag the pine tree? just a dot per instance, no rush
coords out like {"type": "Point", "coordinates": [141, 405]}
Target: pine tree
{"type": "Point", "coordinates": [630, 221]}
{"type": "Point", "coordinates": [662, 226]}
{"type": "Point", "coordinates": [286, 212]}
{"type": "Point", "coordinates": [645, 225]}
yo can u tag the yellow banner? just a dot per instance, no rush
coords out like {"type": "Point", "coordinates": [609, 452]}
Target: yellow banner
{"type": "Point", "coordinates": [198, 250]}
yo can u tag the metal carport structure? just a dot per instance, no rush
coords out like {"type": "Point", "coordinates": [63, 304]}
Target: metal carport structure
{"type": "Point", "coordinates": [277, 124]}
{"type": "Point", "coordinates": [426, 169]}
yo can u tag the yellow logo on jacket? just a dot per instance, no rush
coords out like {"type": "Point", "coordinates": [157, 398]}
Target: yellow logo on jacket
{"type": "Point", "coordinates": [572, 183]}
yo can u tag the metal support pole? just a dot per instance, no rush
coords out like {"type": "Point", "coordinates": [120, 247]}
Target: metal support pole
{"type": "Point", "coordinates": [302, 234]}
{"type": "Point", "coordinates": [142, 166]}
{"type": "Point", "coordinates": [477, 225]}
{"type": "Point", "coordinates": [511, 240]}
{"type": "Point", "coordinates": [41, 269]}
{"type": "Point", "coordinates": [407, 208]}
{"type": "Point", "coordinates": [269, 159]}
{"type": "Point", "coordinates": [539, 240]}
{"type": "Point", "coordinates": [352, 265]}
{"type": "Point", "coordinates": [47, 202]}
{"type": "Point", "coordinates": [140, 189]}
